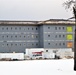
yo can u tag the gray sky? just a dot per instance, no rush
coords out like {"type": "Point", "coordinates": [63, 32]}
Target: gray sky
{"type": "Point", "coordinates": [33, 10]}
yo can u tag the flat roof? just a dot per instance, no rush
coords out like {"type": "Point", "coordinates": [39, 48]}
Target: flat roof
{"type": "Point", "coordinates": [19, 22]}
{"type": "Point", "coordinates": [50, 22]}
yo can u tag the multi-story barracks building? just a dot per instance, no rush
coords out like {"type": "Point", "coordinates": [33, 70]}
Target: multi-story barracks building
{"type": "Point", "coordinates": [16, 36]}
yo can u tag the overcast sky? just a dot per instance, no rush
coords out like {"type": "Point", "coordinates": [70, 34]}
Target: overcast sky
{"type": "Point", "coordinates": [33, 10]}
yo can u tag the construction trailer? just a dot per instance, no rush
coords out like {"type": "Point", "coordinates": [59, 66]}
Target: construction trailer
{"type": "Point", "coordinates": [38, 53]}
{"type": "Point", "coordinates": [12, 56]}
{"type": "Point", "coordinates": [65, 53]}
{"type": "Point", "coordinates": [49, 53]}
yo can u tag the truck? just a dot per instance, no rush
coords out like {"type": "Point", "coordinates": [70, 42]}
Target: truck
{"type": "Point", "coordinates": [34, 53]}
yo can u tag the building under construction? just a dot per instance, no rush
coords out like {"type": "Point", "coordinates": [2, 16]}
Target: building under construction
{"type": "Point", "coordinates": [16, 36]}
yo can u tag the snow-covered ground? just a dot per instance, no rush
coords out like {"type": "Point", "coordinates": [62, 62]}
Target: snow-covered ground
{"type": "Point", "coordinates": [37, 67]}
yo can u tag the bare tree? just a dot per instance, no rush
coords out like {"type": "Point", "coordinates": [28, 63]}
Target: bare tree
{"type": "Point", "coordinates": [72, 4]}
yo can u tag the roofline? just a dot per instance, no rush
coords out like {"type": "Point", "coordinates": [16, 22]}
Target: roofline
{"type": "Point", "coordinates": [46, 22]}
{"type": "Point", "coordinates": [18, 21]}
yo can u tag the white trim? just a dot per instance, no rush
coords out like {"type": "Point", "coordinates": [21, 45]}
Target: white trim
{"type": "Point", "coordinates": [57, 40]}
{"type": "Point", "coordinates": [21, 41]}
{"type": "Point", "coordinates": [18, 33]}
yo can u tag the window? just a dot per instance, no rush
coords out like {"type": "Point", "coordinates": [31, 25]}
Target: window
{"type": "Point", "coordinates": [32, 28]}
{"type": "Point", "coordinates": [16, 36]}
{"type": "Point", "coordinates": [55, 36]}
{"type": "Point", "coordinates": [19, 28]}
{"type": "Point", "coordinates": [20, 44]}
{"type": "Point", "coordinates": [60, 44]}
{"type": "Point", "coordinates": [56, 44]}
{"type": "Point", "coordinates": [11, 28]}
{"type": "Point", "coordinates": [69, 44]}
{"type": "Point", "coordinates": [69, 29]}
{"type": "Point", "coordinates": [15, 28]}
{"type": "Point", "coordinates": [36, 44]}
{"type": "Point", "coordinates": [48, 43]}
{"type": "Point", "coordinates": [48, 35]}
{"type": "Point", "coordinates": [15, 44]}
{"type": "Point", "coordinates": [36, 36]}
{"type": "Point", "coordinates": [32, 44]}
{"type": "Point", "coordinates": [59, 36]}
{"type": "Point", "coordinates": [24, 36]}
{"type": "Point", "coordinates": [7, 28]}
{"type": "Point", "coordinates": [36, 28]}
{"type": "Point", "coordinates": [63, 28]}
{"type": "Point", "coordinates": [48, 27]}
{"type": "Point", "coordinates": [55, 28]}
{"type": "Point", "coordinates": [28, 28]}
{"type": "Point", "coordinates": [59, 28]}
{"type": "Point", "coordinates": [11, 36]}
{"type": "Point", "coordinates": [63, 43]}
{"type": "Point", "coordinates": [7, 44]}
{"type": "Point", "coordinates": [63, 35]}
{"type": "Point", "coordinates": [11, 44]}
{"type": "Point", "coordinates": [7, 36]}
{"type": "Point", "coordinates": [20, 36]}
{"type": "Point", "coordinates": [69, 37]}
{"type": "Point", "coordinates": [24, 44]}
{"type": "Point", "coordinates": [32, 36]}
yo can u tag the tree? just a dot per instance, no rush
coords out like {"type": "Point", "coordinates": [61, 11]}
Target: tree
{"type": "Point", "coordinates": [72, 4]}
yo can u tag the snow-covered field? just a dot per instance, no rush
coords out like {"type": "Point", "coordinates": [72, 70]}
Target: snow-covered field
{"type": "Point", "coordinates": [37, 67]}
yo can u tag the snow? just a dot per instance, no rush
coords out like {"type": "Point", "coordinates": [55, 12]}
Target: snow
{"type": "Point", "coordinates": [38, 67]}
